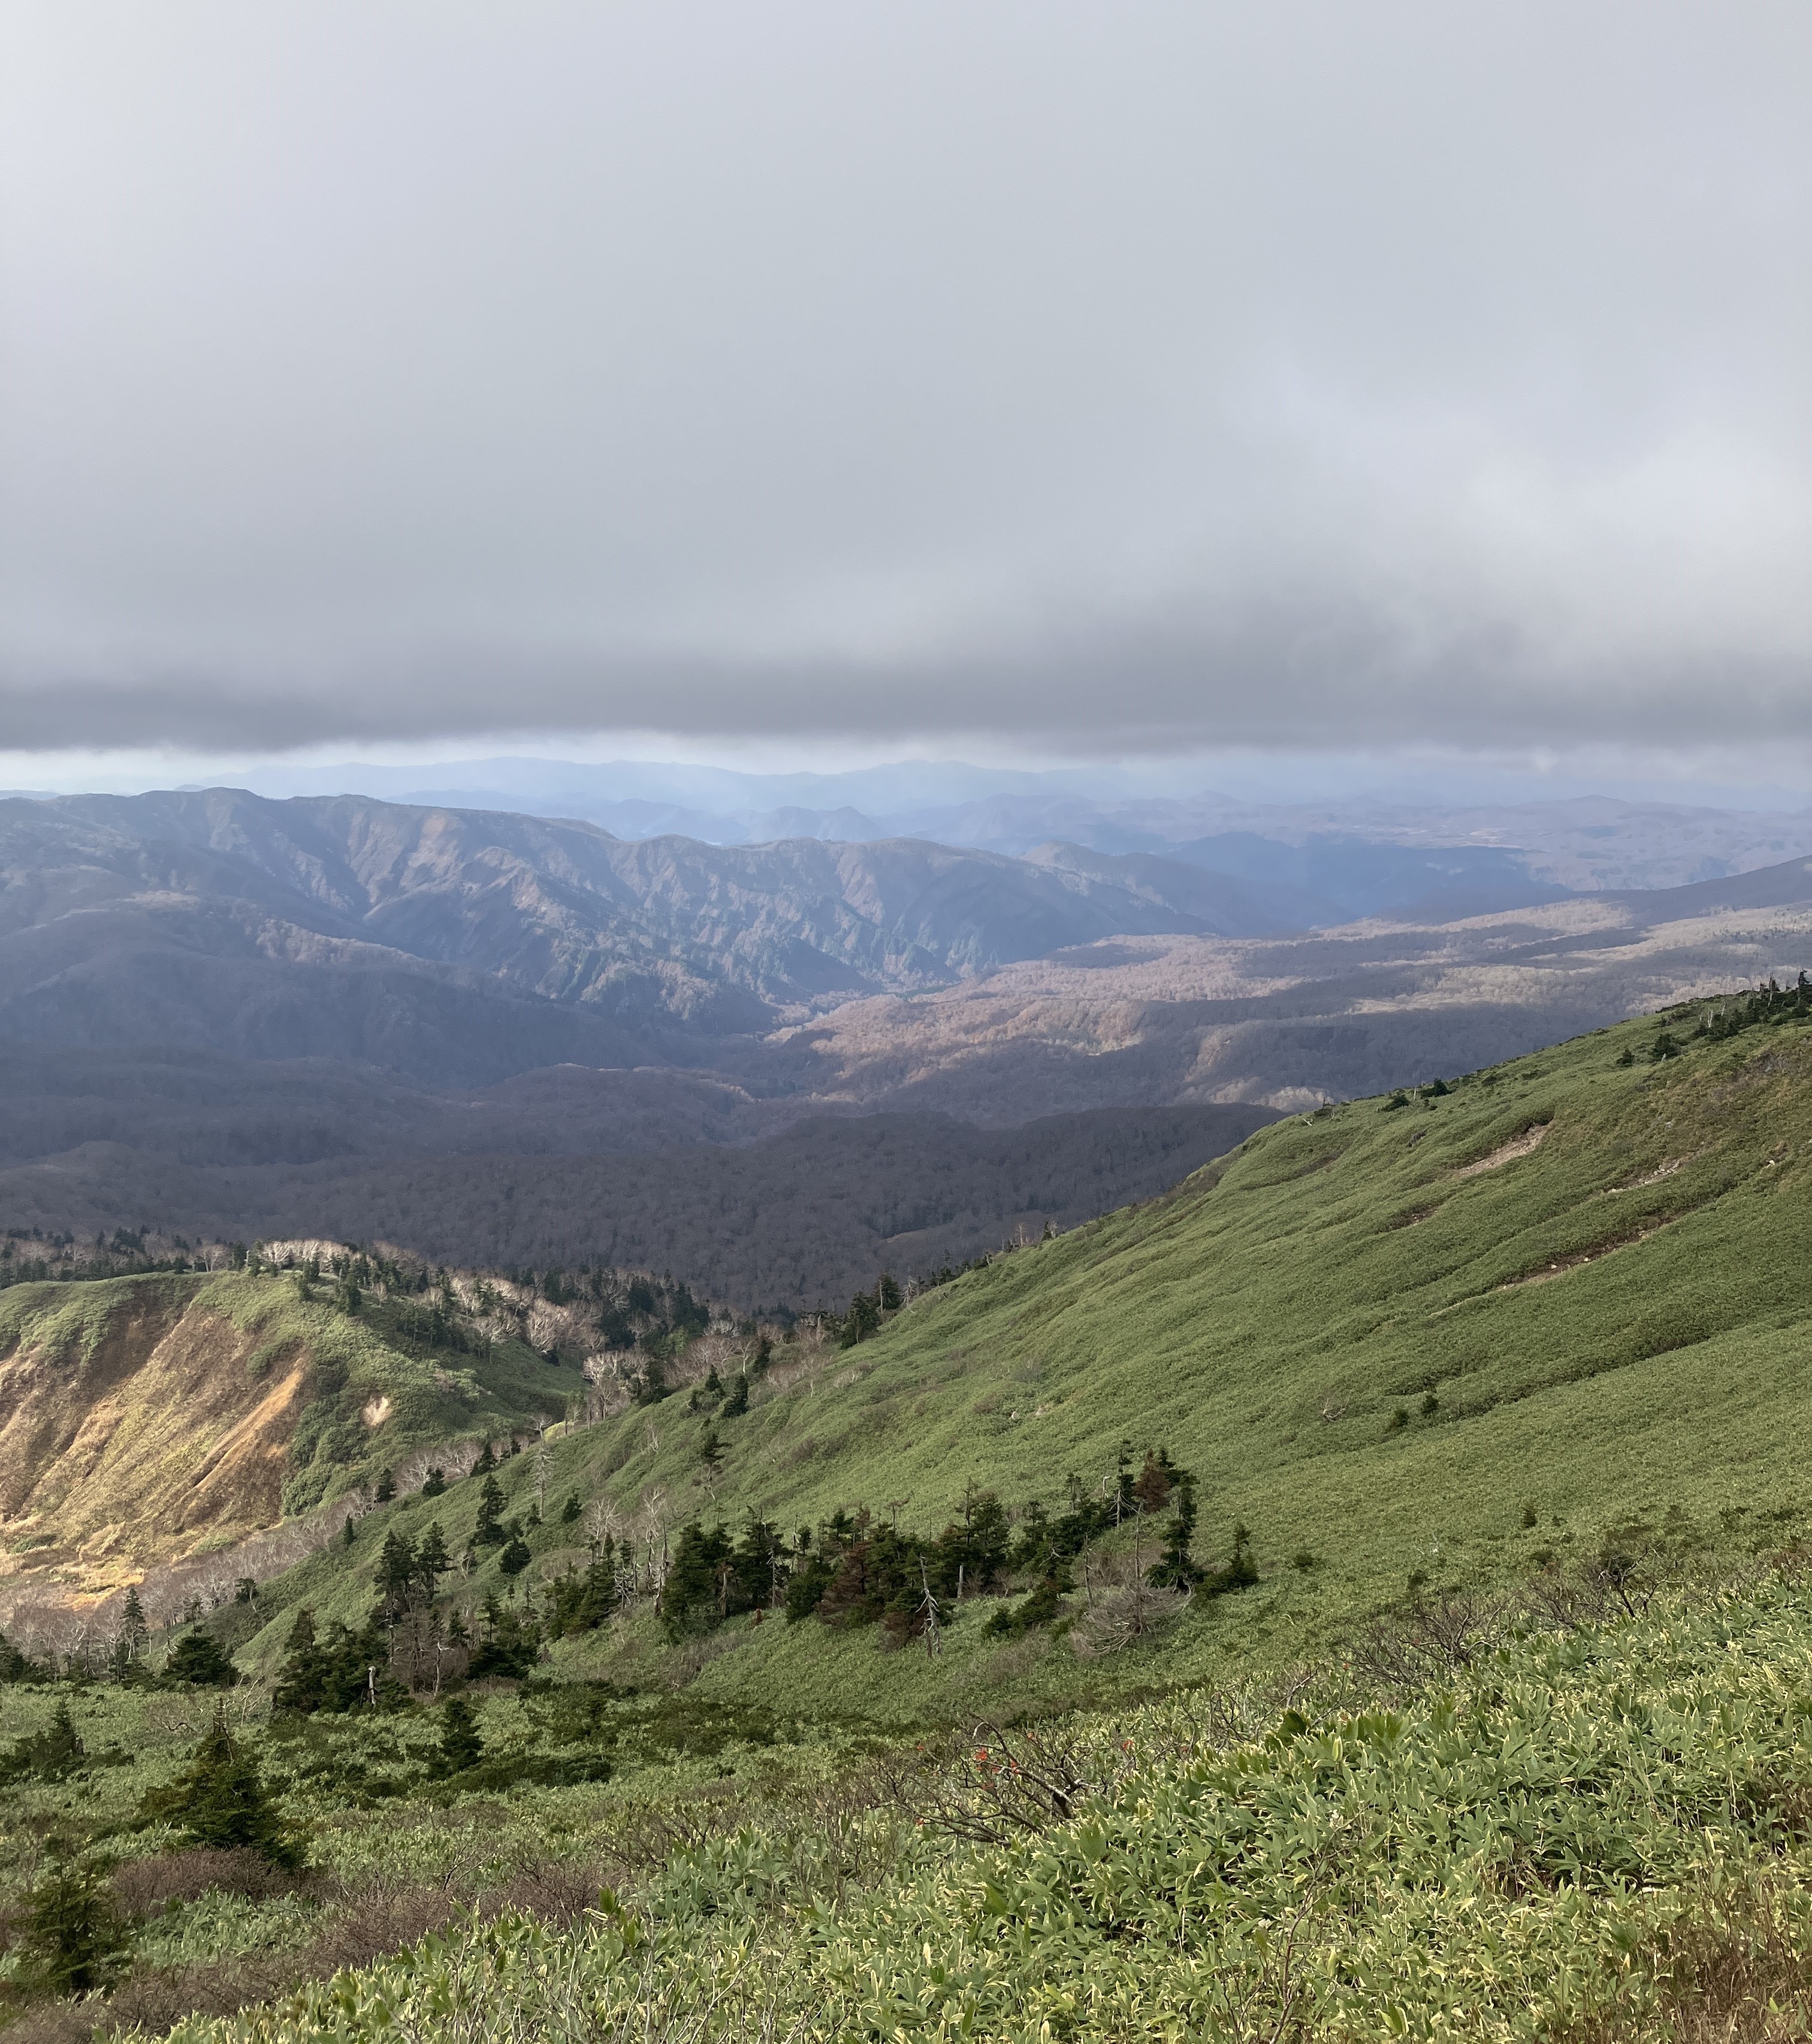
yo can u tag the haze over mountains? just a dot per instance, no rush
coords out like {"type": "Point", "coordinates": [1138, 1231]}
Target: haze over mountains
{"type": "Point", "coordinates": [1584, 839]}
{"type": "Point", "coordinates": [772, 1067]}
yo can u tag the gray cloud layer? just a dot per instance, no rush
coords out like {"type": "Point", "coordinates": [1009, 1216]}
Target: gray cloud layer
{"type": "Point", "coordinates": [1307, 372]}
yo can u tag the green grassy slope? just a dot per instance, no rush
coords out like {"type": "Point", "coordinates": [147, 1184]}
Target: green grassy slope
{"type": "Point", "coordinates": [1614, 1324]}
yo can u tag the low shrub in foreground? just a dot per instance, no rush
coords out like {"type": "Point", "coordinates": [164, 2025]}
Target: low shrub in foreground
{"type": "Point", "coordinates": [1587, 1834]}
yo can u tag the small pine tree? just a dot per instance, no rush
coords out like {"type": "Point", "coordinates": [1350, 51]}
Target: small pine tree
{"type": "Point", "coordinates": [1241, 1571]}
{"type": "Point", "coordinates": [299, 1681]}
{"type": "Point", "coordinates": [431, 1560]}
{"type": "Point", "coordinates": [199, 1661]}
{"type": "Point", "coordinates": [73, 1931]}
{"type": "Point", "coordinates": [434, 1484]}
{"type": "Point", "coordinates": [571, 1510]}
{"type": "Point", "coordinates": [488, 1530]}
{"type": "Point", "coordinates": [861, 1320]}
{"type": "Point", "coordinates": [462, 1745]}
{"type": "Point", "coordinates": [710, 1452]}
{"type": "Point", "coordinates": [515, 1557]}
{"type": "Point", "coordinates": [394, 1575]}
{"type": "Point", "coordinates": [1177, 1568]}
{"type": "Point", "coordinates": [346, 1532]}
{"type": "Point", "coordinates": [220, 1799]}
{"type": "Point", "coordinates": [486, 1461]}
{"type": "Point", "coordinates": [135, 1630]}
{"type": "Point", "coordinates": [50, 1754]}
{"type": "Point", "coordinates": [386, 1488]}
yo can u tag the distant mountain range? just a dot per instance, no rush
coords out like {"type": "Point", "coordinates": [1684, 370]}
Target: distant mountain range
{"type": "Point", "coordinates": [458, 946]}
{"type": "Point", "coordinates": [1580, 840]}
{"type": "Point", "coordinates": [461, 946]}
{"type": "Point", "coordinates": [482, 1034]}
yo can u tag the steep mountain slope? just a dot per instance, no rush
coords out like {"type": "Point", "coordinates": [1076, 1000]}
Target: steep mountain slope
{"type": "Point", "coordinates": [1447, 1339]}
{"type": "Point", "coordinates": [1469, 1376]}
{"type": "Point", "coordinates": [151, 1419]}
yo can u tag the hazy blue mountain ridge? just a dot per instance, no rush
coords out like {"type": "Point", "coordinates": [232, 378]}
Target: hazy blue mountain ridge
{"type": "Point", "coordinates": [209, 919]}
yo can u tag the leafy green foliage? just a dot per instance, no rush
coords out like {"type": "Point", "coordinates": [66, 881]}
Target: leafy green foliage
{"type": "Point", "coordinates": [462, 1745]}
{"type": "Point", "coordinates": [345, 1669]}
{"type": "Point", "coordinates": [509, 1645]}
{"type": "Point", "coordinates": [582, 1602]}
{"type": "Point", "coordinates": [48, 1755]}
{"type": "Point", "coordinates": [1528, 1850]}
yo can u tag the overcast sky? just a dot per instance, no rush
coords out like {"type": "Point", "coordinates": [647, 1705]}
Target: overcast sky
{"type": "Point", "coordinates": [1104, 376]}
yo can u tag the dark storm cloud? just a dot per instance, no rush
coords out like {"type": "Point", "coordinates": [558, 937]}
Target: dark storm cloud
{"type": "Point", "coordinates": [1134, 376]}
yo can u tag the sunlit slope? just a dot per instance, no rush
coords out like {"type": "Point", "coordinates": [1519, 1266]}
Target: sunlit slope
{"type": "Point", "coordinates": [147, 1419]}
{"type": "Point", "coordinates": [1598, 1274]}
{"type": "Point", "coordinates": [1602, 1274]}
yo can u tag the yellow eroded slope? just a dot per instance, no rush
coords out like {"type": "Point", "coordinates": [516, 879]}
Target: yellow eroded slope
{"type": "Point", "coordinates": [133, 1430]}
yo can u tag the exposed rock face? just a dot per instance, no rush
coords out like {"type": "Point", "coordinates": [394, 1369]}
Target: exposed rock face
{"type": "Point", "coordinates": [133, 1429]}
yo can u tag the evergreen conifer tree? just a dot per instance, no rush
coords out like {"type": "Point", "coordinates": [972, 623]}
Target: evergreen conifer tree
{"type": "Point", "coordinates": [489, 1531]}
{"type": "Point", "coordinates": [394, 1575]}
{"type": "Point", "coordinates": [220, 1799]}
{"type": "Point", "coordinates": [1177, 1568]}
{"type": "Point", "coordinates": [462, 1745]}
{"type": "Point", "coordinates": [73, 1931]}
{"type": "Point", "coordinates": [135, 1630]}
{"type": "Point", "coordinates": [431, 1560]}
{"type": "Point", "coordinates": [299, 1680]}
{"type": "Point", "coordinates": [200, 1661]}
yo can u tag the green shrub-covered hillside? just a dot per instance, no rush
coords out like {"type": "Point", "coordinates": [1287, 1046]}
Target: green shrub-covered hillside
{"type": "Point", "coordinates": [1433, 1341]}
{"type": "Point", "coordinates": [1362, 1594]}
{"type": "Point", "coordinates": [1593, 1834]}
